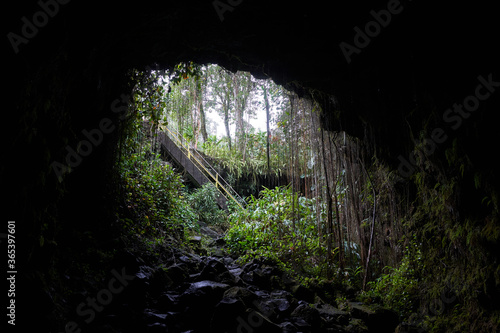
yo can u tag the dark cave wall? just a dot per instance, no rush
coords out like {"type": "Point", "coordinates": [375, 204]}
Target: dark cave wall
{"type": "Point", "coordinates": [428, 57]}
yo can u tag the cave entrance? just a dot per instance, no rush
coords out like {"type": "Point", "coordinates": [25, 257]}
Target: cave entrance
{"type": "Point", "coordinates": [260, 137]}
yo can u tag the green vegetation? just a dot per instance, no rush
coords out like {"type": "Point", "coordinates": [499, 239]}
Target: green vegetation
{"type": "Point", "coordinates": [270, 227]}
{"type": "Point", "coordinates": [204, 203]}
{"type": "Point", "coordinates": [457, 231]}
{"type": "Point", "coordinates": [232, 160]}
{"type": "Point", "coordinates": [448, 273]}
{"type": "Point", "coordinates": [398, 288]}
{"type": "Point", "coordinates": [153, 194]}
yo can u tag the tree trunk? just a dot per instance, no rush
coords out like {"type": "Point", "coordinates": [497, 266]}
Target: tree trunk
{"type": "Point", "coordinates": [372, 226]}
{"type": "Point", "coordinates": [226, 123]}
{"type": "Point", "coordinates": [268, 144]}
{"type": "Point", "coordinates": [238, 111]}
{"type": "Point", "coordinates": [242, 87]}
{"type": "Point", "coordinates": [337, 214]}
{"type": "Point", "coordinates": [199, 96]}
{"type": "Point", "coordinates": [329, 206]}
{"type": "Point", "coordinates": [292, 159]}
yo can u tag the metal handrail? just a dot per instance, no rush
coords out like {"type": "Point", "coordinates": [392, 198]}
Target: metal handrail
{"type": "Point", "coordinates": [218, 175]}
{"type": "Point", "coordinates": [215, 178]}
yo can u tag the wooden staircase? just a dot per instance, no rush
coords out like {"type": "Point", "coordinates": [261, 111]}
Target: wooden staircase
{"type": "Point", "coordinates": [196, 167]}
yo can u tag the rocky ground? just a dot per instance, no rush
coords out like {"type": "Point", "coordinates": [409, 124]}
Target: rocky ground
{"type": "Point", "coordinates": [196, 293]}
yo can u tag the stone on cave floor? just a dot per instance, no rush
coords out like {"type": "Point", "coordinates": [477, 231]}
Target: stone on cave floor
{"type": "Point", "coordinates": [195, 239]}
{"type": "Point", "coordinates": [376, 317]}
{"type": "Point", "coordinates": [210, 290]}
{"type": "Point", "coordinates": [333, 314]}
{"type": "Point", "coordinates": [357, 325]}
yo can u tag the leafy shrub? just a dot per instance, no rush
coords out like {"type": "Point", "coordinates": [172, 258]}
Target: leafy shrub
{"type": "Point", "coordinates": [204, 203]}
{"type": "Point", "coordinates": [251, 162]}
{"type": "Point", "coordinates": [153, 194]}
{"type": "Point", "coordinates": [270, 225]}
{"type": "Point", "coordinates": [398, 289]}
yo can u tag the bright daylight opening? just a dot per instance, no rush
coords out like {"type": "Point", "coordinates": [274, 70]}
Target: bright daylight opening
{"type": "Point", "coordinates": [215, 87]}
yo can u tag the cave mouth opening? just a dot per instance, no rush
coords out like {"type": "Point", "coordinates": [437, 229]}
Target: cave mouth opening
{"type": "Point", "coordinates": [321, 168]}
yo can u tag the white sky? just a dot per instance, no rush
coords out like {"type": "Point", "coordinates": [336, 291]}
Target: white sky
{"type": "Point", "coordinates": [259, 123]}
{"type": "Point", "coordinates": [257, 120]}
